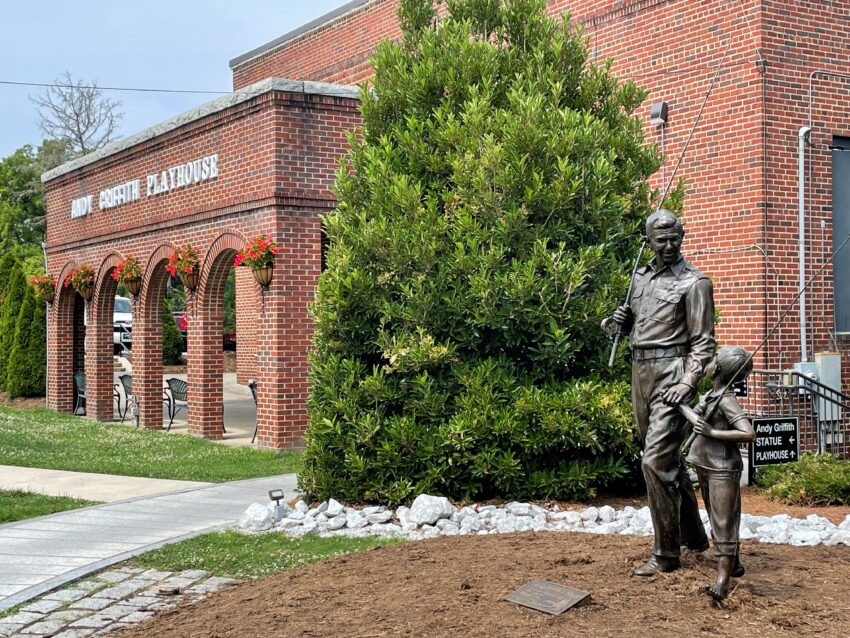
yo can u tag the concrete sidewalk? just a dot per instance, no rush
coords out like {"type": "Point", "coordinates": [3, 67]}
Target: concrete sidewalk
{"type": "Point", "coordinates": [41, 554]}
{"type": "Point", "coordinates": [87, 485]}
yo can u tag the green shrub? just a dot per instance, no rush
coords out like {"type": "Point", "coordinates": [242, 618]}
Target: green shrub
{"type": "Point", "coordinates": [486, 224]}
{"type": "Point", "coordinates": [13, 298]}
{"type": "Point", "coordinates": [816, 479]}
{"type": "Point", "coordinates": [25, 372]}
{"type": "Point", "coordinates": [172, 340]}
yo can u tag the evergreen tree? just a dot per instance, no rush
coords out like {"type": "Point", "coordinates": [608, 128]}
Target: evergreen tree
{"type": "Point", "coordinates": [22, 370]}
{"type": "Point", "coordinates": [13, 299]}
{"type": "Point", "coordinates": [486, 223]}
{"type": "Point", "coordinates": [7, 262]}
{"type": "Point", "coordinates": [172, 341]}
{"type": "Point", "coordinates": [38, 349]}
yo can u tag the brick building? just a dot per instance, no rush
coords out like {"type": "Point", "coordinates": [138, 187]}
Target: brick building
{"type": "Point", "coordinates": [785, 67]}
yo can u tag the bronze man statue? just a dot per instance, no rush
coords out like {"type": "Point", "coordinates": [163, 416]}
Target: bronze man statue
{"type": "Point", "coordinates": [670, 319]}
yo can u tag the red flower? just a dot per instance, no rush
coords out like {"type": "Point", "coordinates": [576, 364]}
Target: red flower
{"type": "Point", "coordinates": [259, 253]}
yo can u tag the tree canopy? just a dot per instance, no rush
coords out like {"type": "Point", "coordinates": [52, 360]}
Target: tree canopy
{"type": "Point", "coordinates": [486, 223]}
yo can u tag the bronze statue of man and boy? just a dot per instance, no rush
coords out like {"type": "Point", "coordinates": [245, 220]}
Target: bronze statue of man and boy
{"type": "Point", "coordinates": [670, 320]}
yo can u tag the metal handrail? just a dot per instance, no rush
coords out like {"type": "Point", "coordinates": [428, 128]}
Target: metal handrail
{"type": "Point", "coordinates": [808, 381]}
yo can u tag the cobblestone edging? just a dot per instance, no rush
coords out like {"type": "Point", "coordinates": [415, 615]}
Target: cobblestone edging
{"type": "Point", "coordinates": [109, 601]}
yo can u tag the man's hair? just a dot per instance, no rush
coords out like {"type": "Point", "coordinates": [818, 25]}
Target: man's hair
{"type": "Point", "coordinates": [663, 219]}
{"type": "Point", "coordinates": [733, 360]}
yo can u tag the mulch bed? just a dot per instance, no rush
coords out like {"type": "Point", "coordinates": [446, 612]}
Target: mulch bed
{"type": "Point", "coordinates": [456, 586]}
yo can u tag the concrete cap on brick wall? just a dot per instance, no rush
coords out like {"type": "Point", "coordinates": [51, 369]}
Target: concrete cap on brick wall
{"type": "Point", "coordinates": [219, 104]}
{"type": "Point", "coordinates": [321, 21]}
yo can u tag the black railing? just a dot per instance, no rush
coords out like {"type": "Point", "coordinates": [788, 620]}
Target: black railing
{"type": "Point", "coordinates": [823, 412]}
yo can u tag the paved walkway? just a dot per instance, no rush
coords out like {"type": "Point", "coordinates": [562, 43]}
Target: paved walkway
{"type": "Point", "coordinates": [93, 487]}
{"type": "Point", "coordinates": [40, 554]}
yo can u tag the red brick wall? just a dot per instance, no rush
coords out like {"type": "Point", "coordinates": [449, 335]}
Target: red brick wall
{"type": "Point", "coordinates": [741, 166]}
{"type": "Point", "coordinates": [277, 159]}
{"type": "Point", "coordinates": [800, 37]}
{"type": "Point", "coordinates": [669, 47]}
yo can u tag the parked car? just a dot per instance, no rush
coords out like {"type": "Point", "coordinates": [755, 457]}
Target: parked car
{"type": "Point", "coordinates": [122, 325]}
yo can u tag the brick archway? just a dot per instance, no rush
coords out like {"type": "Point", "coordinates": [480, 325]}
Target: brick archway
{"type": "Point", "coordinates": [99, 346]}
{"type": "Point", "coordinates": [147, 337]}
{"type": "Point", "coordinates": [206, 361]}
{"type": "Point", "coordinates": [66, 340]}
{"type": "Point", "coordinates": [260, 161]}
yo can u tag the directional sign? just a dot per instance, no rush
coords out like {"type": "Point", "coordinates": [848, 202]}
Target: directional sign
{"type": "Point", "coordinates": [777, 440]}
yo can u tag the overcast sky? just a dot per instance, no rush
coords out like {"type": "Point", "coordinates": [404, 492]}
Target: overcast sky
{"type": "Point", "coordinates": [157, 44]}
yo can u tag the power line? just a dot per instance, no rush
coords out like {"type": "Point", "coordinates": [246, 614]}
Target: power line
{"type": "Point", "coordinates": [108, 88]}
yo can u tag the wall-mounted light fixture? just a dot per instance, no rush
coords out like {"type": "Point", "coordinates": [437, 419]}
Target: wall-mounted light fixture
{"type": "Point", "coordinates": [658, 114]}
{"type": "Point", "coordinates": [658, 119]}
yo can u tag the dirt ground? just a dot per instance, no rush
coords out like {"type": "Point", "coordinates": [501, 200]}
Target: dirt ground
{"type": "Point", "coordinates": [457, 585]}
{"type": "Point", "coordinates": [23, 403]}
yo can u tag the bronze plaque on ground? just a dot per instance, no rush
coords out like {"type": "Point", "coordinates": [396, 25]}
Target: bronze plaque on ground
{"type": "Point", "coordinates": [544, 596]}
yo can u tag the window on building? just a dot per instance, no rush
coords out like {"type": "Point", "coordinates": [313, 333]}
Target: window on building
{"type": "Point", "coordinates": [840, 230]}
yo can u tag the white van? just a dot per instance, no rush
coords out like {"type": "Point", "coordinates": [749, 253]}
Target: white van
{"type": "Point", "coordinates": [122, 324]}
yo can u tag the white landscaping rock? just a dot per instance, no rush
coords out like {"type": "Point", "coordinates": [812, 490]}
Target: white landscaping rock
{"type": "Point", "coordinates": [355, 520]}
{"type": "Point", "coordinates": [519, 509]}
{"type": "Point", "coordinates": [256, 518]}
{"type": "Point", "coordinates": [333, 509]}
{"type": "Point", "coordinates": [590, 514]}
{"type": "Point", "coordinates": [433, 516]}
{"type": "Point", "coordinates": [379, 517]}
{"type": "Point", "coordinates": [842, 536]}
{"type": "Point", "coordinates": [800, 538]}
{"type": "Point", "coordinates": [606, 513]}
{"type": "Point", "coordinates": [337, 522]}
{"type": "Point", "coordinates": [429, 509]}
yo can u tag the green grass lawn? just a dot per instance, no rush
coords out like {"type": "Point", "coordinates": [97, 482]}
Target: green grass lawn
{"type": "Point", "coordinates": [248, 557]}
{"type": "Point", "coordinates": [47, 439]}
{"type": "Point", "coordinates": [16, 505]}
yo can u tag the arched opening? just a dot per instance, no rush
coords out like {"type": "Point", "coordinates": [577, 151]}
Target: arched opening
{"type": "Point", "coordinates": [220, 402]}
{"type": "Point", "coordinates": [148, 339]}
{"type": "Point", "coordinates": [67, 339]}
{"type": "Point", "coordinates": [100, 344]}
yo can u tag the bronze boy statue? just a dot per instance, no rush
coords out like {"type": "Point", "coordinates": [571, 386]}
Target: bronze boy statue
{"type": "Point", "coordinates": [717, 460]}
{"type": "Point", "coordinates": [670, 321]}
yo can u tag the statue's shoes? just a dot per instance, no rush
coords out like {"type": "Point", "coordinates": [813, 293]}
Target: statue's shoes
{"type": "Point", "coordinates": [658, 565]}
{"type": "Point", "coordinates": [713, 593]}
{"type": "Point", "coordinates": [738, 570]}
{"type": "Point", "coordinates": [697, 546]}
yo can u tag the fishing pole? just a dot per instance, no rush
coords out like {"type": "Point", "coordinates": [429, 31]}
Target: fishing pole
{"type": "Point", "coordinates": [689, 413]}
{"type": "Point", "coordinates": [630, 290]}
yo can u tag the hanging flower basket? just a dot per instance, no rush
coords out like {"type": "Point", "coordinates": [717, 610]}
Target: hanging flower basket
{"type": "Point", "coordinates": [45, 286]}
{"type": "Point", "coordinates": [184, 264]}
{"type": "Point", "coordinates": [263, 276]}
{"type": "Point", "coordinates": [259, 256]}
{"type": "Point", "coordinates": [81, 279]}
{"type": "Point", "coordinates": [129, 273]}
{"type": "Point", "coordinates": [189, 279]}
{"type": "Point", "coordinates": [134, 286]}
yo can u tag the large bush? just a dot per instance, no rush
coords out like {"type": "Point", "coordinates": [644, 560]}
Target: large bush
{"type": "Point", "coordinates": [486, 220]}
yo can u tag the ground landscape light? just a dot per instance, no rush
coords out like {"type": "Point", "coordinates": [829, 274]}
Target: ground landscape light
{"type": "Point", "coordinates": [658, 114]}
